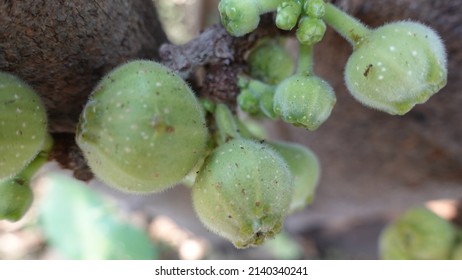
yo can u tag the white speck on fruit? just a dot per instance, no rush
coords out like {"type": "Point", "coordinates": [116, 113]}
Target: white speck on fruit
{"type": "Point", "coordinates": [18, 154]}
{"type": "Point", "coordinates": [414, 53]}
{"type": "Point", "coordinates": [392, 48]}
{"type": "Point", "coordinates": [33, 137]}
{"type": "Point", "coordinates": [158, 84]}
{"type": "Point", "coordinates": [384, 69]}
{"type": "Point", "coordinates": [379, 63]}
{"type": "Point", "coordinates": [18, 110]}
{"type": "Point", "coordinates": [380, 77]}
{"type": "Point", "coordinates": [23, 124]}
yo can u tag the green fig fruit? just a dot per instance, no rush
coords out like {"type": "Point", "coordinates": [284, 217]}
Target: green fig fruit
{"type": "Point", "coordinates": [419, 234]}
{"type": "Point", "coordinates": [143, 129]}
{"type": "Point", "coordinates": [243, 192]}
{"type": "Point", "coordinates": [23, 125]}
{"type": "Point", "coordinates": [397, 66]}
{"type": "Point", "coordinates": [270, 62]}
{"type": "Point", "coordinates": [304, 100]}
{"type": "Point", "coordinates": [304, 167]}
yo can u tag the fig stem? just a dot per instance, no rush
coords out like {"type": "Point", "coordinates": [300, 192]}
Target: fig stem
{"type": "Point", "coordinates": [226, 124]}
{"type": "Point", "coordinates": [305, 59]}
{"type": "Point", "coordinates": [266, 6]}
{"type": "Point", "coordinates": [347, 26]}
{"type": "Point", "coordinates": [38, 161]}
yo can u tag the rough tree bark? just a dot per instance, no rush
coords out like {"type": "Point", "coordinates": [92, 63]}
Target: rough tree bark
{"type": "Point", "coordinates": [62, 48]}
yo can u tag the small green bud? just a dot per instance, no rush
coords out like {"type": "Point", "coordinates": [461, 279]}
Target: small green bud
{"type": "Point", "coordinates": [243, 192]}
{"type": "Point", "coordinates": [256, 98]}
{"type": "Point", "coordinates": [15, 199]}
{"type": "Point", "coordinates": [239, 17]}
{"type": "Point", "coordinates": [270, 62]}
{"type": "Point", "coordinates": [304, 100]}
{"type": "Point", "coordinates": [419, 234]}
{"type": "Point", "coordinates": [143, 129]}
{"type": "Point", "coordinates": [310, 30]}
{"type": "Point", "coordinates": [288, 13]}
{"type": "Point", "coordinates": [397, 66]}
{"type": "Point", "coordinates": [23, 125]}
{"type": "Point", "coordinates": [248, 101]}
{"type": "Point", "coordinates": [315, 8]}
{"type": "Point", "coordinates": [267, 105]}
{"type": "Point", "coordinates": [304, 167]}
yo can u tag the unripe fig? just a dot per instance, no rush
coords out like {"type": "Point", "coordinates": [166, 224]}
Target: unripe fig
{"type": "Point", "coordinates": [314, 8]}
{"type": "Point", "coordinates": [419, 234]}
{"type": "Point", "coordinates": [243, 192]}
{"type": "Point", "coordinates": [15, 199]}
{"type": "Point", "coordinates": [239, 17]}
{"type": "Point", "coordinates": [304, 100]}
{"type": "Point", "coordinates": [249, 101]}
{"type": "Point", "coordinates": [304, 167]}
{"type": "Point", "coordinates": [457, 250]}
{"type": "Point", "coordinates": [143, 129]}
{"type": "Point", "coordinates": [397, 66]}
{"type": "Point", "coordinates": [256, 98]}
{"type": "Point", "coordinates": [270, 62]}
{"type": "Point", "coordinates": [287, 14]}
{"type": "Point", "coordinates": [23, 125]}
{"type": "Point", "coordinates": [310, 30]}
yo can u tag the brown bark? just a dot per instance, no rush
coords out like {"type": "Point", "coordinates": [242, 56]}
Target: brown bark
{"type": "Point", "coordinates": [62, 48]}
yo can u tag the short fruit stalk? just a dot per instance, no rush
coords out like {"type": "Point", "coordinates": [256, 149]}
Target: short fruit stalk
{"type": "Point", "coordinates": [15, 194]}
{"type": "Point", "coordinates": [393, 67]}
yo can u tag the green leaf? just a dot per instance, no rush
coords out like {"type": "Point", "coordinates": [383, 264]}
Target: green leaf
{"type": "Point", "coordinates": [80, 224]}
